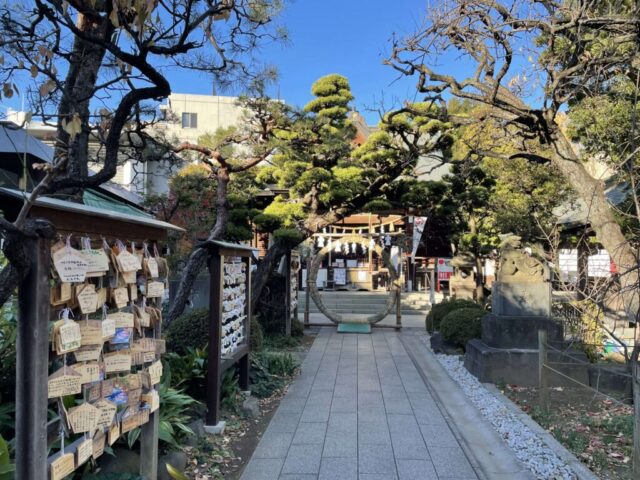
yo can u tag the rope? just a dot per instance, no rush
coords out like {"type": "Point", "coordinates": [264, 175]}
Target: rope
{"type": "Point", "coordinates": [582, 362]}
{"type": "Point", "coordinates": [588, 387]}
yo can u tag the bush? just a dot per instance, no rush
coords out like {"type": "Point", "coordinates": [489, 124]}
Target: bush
{"type": "Point", "coordinates": [190, 330]}
{"type": "Point", "coordinates": [441, 310]}
{"type": "Point", "coordinates": [269, 371]}
{"type": "Point", "coordinates": [297, 328]}
{"type": "Point", "coordinates": [461, 325]}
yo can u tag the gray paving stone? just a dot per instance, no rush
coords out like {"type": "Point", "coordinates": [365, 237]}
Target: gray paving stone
{"type": "Point", "coordinates": [438, 436]}
{"type": "Point", "coordinates": [416, 470]}
{"type": "Point", "coordinates": [339, 469]}
{"type": "Point", "coordinates": [409, 445]}
{"type": "Point", "coordinates": [344, 404]}
{"type": "Point", "coordinates": [292, 405]}
{"type": "Point", "coordinates": [273, 445]}
{"type": "Point", "coordinates": [376, 459]}
{"type": "Point", "coordinates": [402, 423]}
{"type": "Point", "coordinates": [300, 476]}
{"type": "Point", "coordinates": [341, 445]}
{"type": "Point", "coordinates": [375, 476]}
{"type": "Point", "coordinates": [345, 423]}
{"type": "Point", "coordinates": [302, 459]}
{"type": "Point", "coordinates": [451, 462]}
{"type": "Point", "coordinates": [311, 433]}
{"type": "Point", "coordinates": [373, 433]}
{"type": "Point", "coordinates": [263, 469]}
{"type": "Point", "coordinates": [284, 422]}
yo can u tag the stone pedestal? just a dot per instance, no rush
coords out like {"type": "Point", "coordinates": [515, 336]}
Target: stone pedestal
{"type": "Point", "coordinates": [508, 349]}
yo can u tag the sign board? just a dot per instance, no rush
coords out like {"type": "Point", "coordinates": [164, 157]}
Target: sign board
{"type": "Point", "coordinates": [340, 276]}
{"type": "Point", "coordinates": [444, 268]}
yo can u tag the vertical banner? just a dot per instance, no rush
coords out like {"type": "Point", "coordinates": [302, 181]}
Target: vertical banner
{"type": "Point", "coordinates": [418, 228]}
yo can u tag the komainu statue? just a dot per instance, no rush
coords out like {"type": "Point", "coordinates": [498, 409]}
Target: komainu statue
{"type": "Point", "coordinates": [518, 265]}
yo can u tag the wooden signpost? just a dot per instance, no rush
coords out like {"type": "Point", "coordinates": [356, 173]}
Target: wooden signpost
{"type": "Point", "coordinates": [229, 321]}
{"type": "Point", "coordinates": [75, 278]}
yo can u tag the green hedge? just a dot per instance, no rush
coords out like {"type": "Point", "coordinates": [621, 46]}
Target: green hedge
{"type": "Point", "coordinates": [461, 325]}
{"type": "Point", "coordinates": [441, 310]}
{"type": "Point", "coordinates": [191, 330]}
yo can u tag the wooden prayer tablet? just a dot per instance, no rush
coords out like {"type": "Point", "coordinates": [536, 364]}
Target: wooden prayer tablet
{"type": "Point", "coordinates": [90, 372]}
{"type": "Point", "coordinates": [133, 291]}
{"type": "Point", "coordinates": [60, 293]}
{"type": "Point", "coordinates": [120, 296]}
{"type": "Point", "coordinates": [83, 418]}
{"type": "Point", "coordinates": [127, 262]}
{"type": "Point", "coordinates": [129, 277]}
{"type": "Point", "coordinates": [63, 382]}
{"type": "Point", "coordinates": [129, 422]}
{"type": "Point", "coordinates": [151, 266]}
{"type": "Point", "coordinates": [155, 289]}
{"type": "Point", "coordinates": [84, 451]}
{"type": "Point", "coordinates": [106, 413]}
{"type": "Point", "coordinates": [62, 466]}
{"type": "Point", "coordinates": [153, 374]}
{"type": "Point", "coordinates": [108, 328]}
{"type": "Point", "coordinates": [98, 445]}
{"type": "Point", "coordinates": [70, 265]}
{"type": "Point", "coordinates": [121, 319]}
{"type": "Point", "coordinates": [87, 298]}
{"type": "Point", "coordinates": [119, 361]}
{"type": "Point", "coordinates": [97, 261]}
{"type": "Point", "coordinates": [88, 353]}
{"type": "Point", "coordinates": [67, 336]}
{"type": "Point", "coordinates": [102, 296]}
{"type": "Point", "coordinates": [91, 332]}
{"type": "Point", "coordinates": [152, 399]}
{"type": "Point", "coordinates": [114, 433]}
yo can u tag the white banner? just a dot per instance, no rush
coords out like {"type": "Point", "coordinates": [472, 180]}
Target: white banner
{"type": "Point", "coordinates": [418, 227]}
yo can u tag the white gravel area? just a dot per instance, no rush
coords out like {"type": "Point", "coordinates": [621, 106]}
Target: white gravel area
{"type": "Point", "coordinates": [528, 447]}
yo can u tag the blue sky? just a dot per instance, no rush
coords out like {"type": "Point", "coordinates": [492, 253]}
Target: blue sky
{"type": "Point", "coordinates": [349, 37]}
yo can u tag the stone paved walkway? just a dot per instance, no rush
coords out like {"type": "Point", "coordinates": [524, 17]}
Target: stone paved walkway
{"type": "Point", "coordinates": [359, 410]}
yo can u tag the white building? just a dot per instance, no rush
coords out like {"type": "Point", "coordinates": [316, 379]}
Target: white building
{"type": "Point", "coordinates": [185, 117]}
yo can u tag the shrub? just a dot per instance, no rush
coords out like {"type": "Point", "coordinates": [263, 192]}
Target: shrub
{"type": "Point", "coordinates": [190, 330]}
{"type": "Point", "coordinates": [461, 325]}
{"type": "Point", "coordinates": [441, 310]}
{"type": "Point", "coordinates": [297, 328]}
{"type": "Point", "coordinates": [269, 371]}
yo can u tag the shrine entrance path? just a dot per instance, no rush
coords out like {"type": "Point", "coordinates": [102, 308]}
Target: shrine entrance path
{"type": "Point", "coordinates": [372, 407]}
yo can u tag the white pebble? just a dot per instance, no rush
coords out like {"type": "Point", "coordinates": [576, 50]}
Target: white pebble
{"type": "Point", "coordinates": [528, 447]}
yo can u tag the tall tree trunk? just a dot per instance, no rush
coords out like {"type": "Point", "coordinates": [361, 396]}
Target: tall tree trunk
{"type": "Point", "coordinates": [602, 220]}
{"type": "Point", "coordinates": [80, 82]}
{"type": "Point", "coordinates": [198, 257]}
{"type": "Point", "coordinates": [477, 259]}
{"type": "Point", "coordinates": [265, 267]}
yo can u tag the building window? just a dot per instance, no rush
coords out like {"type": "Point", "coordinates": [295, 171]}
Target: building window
{"type": "Point", "coordinates": [189, 120]}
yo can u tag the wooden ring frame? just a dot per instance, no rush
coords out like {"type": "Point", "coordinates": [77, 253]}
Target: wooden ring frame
{"type": "Point", "coordinates": [313, 276]}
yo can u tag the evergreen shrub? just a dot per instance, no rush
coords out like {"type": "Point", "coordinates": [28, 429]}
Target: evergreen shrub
{"type": "Point", "coordinates": [461, 325]}
{"type": "Point", "coordinates": [442, 309]}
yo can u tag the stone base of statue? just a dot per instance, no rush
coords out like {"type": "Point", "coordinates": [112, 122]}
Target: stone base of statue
{"type": "Point", "coordinates": [508, 349]}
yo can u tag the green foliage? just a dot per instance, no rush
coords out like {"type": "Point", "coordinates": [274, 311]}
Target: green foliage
{"type": "Point", "coordinates": [442, 309]}
{"type": "Point", "coordinates": [269, 371]}
{"type": "Point", "coordinates": [266, 222]}
{"type": "Point", "coordinates": [8, 332]}
{"type": "Point", "coordinates": [174, 415]}
{"type": "Point", "coordinates": [7, 468]}
{"type": "Point", "coordinates": [7, 418]}
{"type": "Point", "coordinates": [462, 325]}
{"type": "Point", "coordinates": [230, 393]}
{"type": "Point", "coordinates": [190, 330]}
{"type": "Point", "coordinates": [289, 236]}
{"type": "Point", "coordinates": [281, 343]}
{"type": "Point", "coordinates": [188, 370]}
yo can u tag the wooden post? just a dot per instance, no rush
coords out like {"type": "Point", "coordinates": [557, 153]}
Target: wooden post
{"type": "Point", "coordinates": [583, 267]}
{"type": "Point", "coordinates": [288, 312]}
{"type": "Point", "coordinates": [32, 365]}
{"type": "Point", "coordinates": [245, 362]}
{"type": "Point", "coordinates": [216, 265]}
{"type": "Point", "coordinates": [635, 380]}
{"type": "Point", "coordinates": [307, 295]}
{"type": "Point", "coordinates": [543, 374]}
{"type": "Point", "coordinates": [398, 309]}
{"type": "Point", "coordinates": [149, 433]}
